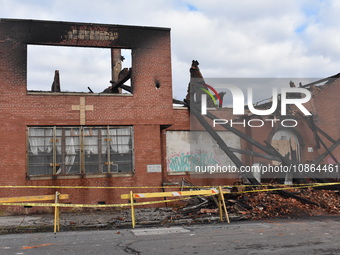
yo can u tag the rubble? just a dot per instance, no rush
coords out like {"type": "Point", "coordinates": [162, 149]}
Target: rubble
{"type": "Point", "coordinates": [270, 204]}
{"type": "Point", "coordinates": [281, 203]}
{"type": "Point", "coordinates": [242, 204]}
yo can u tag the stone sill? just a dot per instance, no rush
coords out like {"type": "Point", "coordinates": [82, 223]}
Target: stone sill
{"type": "Point", "coordinates": [47, 93]}
{"type": "Point", "coordinates": [78, 176]}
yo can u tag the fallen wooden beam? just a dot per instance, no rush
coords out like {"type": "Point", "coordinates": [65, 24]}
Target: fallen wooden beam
{"type": "Point", "coordinates": [124, 78]}
{"type": "Point", "coordinates": [317, 128]}
{"type": "Point", "coordinates": [176, 101]}
{"type": "Point", "coordinates": [32, 198]}
{"type": "Point", "coordinates": [236, 160]}
{"type": "Point", "coordinates": [311, 124]}
{"type": "Point", "coordinates": [173, 193]}
{"type": "Point", "coordinates": [324, 155]}
{"type": "Point", "coordinates": [127, 88]}
{"type": "Point", "coordinates": [241, 135]}
{"type": "Point", "coordinates": [222, 144]}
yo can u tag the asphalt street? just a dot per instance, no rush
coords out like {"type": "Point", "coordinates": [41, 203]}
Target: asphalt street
{"type": "Point", "coordinates": [307, 236]}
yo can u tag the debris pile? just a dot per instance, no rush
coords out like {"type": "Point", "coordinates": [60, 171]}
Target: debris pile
{"type": "Point", "coordinates": [269, 205]}
{"type": "Point", "coordinates": [242, 204]}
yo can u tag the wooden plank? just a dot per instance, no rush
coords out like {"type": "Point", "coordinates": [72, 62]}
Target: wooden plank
{"type": "Point", "coordinates": [31, 198]}
{"type": "Point", "coordinates": [172, 194]}
{"type": "Point", "coordinates": [313, 127]}
{"type": "Point", "coordinates": [324, 155]}
{"type": "Point", "coordinates": [121, 80]}
{"type": "Point", "coordinates": [317, 128]}
{"type": "Point", "coordinates": [241, 135]}
{"type": "Point", "coordinates": [223, 146]}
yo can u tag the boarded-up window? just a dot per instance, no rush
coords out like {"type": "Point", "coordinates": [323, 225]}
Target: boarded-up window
{"type": "Point", "coordinates": [287, 144]}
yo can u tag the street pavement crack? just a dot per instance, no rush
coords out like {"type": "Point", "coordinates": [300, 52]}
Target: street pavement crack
{"type": "Point", "coordinates": [129, 250]}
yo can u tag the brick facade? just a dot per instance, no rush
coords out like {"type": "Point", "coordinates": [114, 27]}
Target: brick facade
{"type": "Point", "coordinates": [148, 109]}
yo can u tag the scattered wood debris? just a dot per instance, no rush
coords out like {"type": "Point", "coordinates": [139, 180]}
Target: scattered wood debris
{"type": "Point", "coordinates": [271, 205]}
{"type": "Point", "coordinates": [268, 204]}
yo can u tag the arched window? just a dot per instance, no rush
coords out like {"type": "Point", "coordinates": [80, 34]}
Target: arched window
{"type": "Point", "coordinates": [287, 143]}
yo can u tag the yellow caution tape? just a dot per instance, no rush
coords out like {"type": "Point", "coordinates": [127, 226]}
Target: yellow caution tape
{"type": "Point", "coordinates": [274, 189]}
{"type": "Point", "coordinates": [157, 202]}
{"type": "Point", "coordinates": [161, 187]}
{"type": "Point", "coordinates": [284, 188]}
{"type": "Point", "coordinates": [91, 205]}
{"type": "Point", "coordinates": [164, 201]}
{"type": "Point", "coordinates": [171, 194]}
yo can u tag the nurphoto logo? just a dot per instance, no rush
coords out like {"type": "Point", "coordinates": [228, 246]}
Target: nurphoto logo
{"type": "Point", "coordinates": [238, 100]}
{"type": "Point", "coordinates": [279, 101]}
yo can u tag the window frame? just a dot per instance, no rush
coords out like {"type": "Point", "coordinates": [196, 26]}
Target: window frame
{"type": "Point", "coordinates": [45, 87]}
{"type": "Point", "coordinates": [82, 152]}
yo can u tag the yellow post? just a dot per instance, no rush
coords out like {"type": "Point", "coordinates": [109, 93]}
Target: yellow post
{"type": "Point", "coordinates": [133, 220]}
{"type": "Point", "coordinates": [224, 205]}
{"type": "Point", "coordinates": [220, 207]}
{"type": "Point", "coordinates": [56, 220]}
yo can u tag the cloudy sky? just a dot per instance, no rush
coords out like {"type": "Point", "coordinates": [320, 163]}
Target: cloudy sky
{"type": "Point", "coordinates": [245, 38]}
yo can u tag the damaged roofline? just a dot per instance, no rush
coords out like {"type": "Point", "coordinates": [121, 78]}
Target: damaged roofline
{"type": "Point", "coordinates": [9, 20]}
{"type": "Point", "coordinates": [327, 80]}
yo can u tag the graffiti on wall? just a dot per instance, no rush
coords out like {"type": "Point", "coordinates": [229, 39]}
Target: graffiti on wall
{"type": "Point", "coordinates": [185, 150]}
{"type": "Point", "coordinates": [183, 161]}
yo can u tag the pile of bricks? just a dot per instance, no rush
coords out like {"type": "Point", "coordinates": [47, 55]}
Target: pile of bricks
{"type": "Point", "coordinates": [271, 205]}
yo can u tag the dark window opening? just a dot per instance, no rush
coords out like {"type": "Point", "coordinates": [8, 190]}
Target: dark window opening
{"type": "Point", "coordinates": [78, 69]}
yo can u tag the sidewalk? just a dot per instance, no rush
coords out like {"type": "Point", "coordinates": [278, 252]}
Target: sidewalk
{"type": "Point", "coordinates": [114, 219]}
{"type": "Point", "coordinates": [83, 220]}
{"type": "Point", "coordinates": [98, 219]}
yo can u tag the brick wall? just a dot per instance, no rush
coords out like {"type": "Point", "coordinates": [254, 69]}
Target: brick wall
{"type": "Point", "coordinates": [146, 110]}
{"type": "Point", "coordinates": [327, 108]}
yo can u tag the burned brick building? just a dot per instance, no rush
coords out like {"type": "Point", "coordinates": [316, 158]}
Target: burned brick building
{"type": "Point", "coordinates": [304, 150]}
{"type": "Point", "coordinates": [115, 139]}
{"type": "Point", "coordinates": [86, 139]}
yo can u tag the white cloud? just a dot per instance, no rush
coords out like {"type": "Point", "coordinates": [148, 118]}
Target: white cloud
{"type": "Point", "coordinates": [79, 68]}
{"type": "Point", "coordinates": [247, 38]}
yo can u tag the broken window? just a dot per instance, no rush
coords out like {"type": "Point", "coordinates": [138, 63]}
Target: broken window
{"type": "Point", "coordinates": [79, 150]}
{"type": "Point", "coordinates": [287, 144]}
{"type": "Point", "coordinates": [78, 69]}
